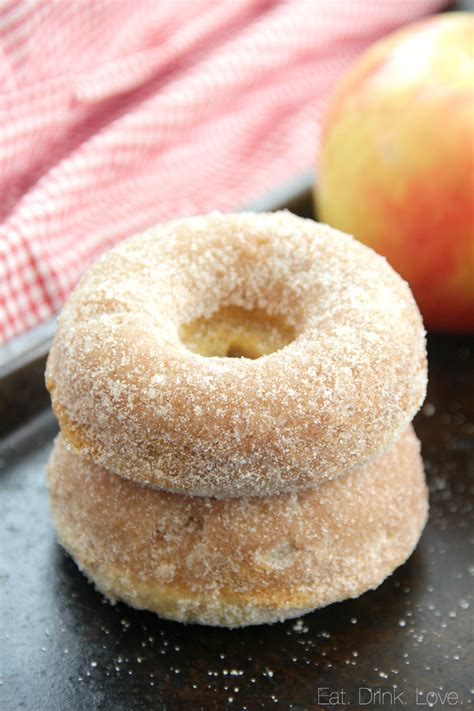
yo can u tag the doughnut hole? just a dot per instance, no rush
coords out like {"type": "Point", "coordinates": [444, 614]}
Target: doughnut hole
{"type": "Point", "coordinates": [235, 332]}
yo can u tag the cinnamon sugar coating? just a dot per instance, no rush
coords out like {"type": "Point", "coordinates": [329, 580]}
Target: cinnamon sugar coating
{"type": "Point", "coordinates": [133, 391]}
{"type": "Point", "coordinates": [239, 561]}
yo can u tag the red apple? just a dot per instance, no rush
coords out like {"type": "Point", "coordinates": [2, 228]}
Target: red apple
{"type": "Point", "coordinates": [397, 161]}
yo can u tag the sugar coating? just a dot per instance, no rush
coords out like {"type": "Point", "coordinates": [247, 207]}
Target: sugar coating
{"type": "Point", "coordinates": [236, 562]}
{"type": "Point", "coordinates": [131, 396]}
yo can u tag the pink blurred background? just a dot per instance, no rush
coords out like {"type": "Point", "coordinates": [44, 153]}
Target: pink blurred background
{"type": "Point", "coordinates": [115, 115]}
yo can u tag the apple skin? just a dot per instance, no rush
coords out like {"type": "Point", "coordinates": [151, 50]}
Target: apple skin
{"type": "Point", "coordinates": [396, 167]}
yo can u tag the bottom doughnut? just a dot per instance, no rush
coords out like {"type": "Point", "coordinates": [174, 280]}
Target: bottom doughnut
{"type": "Point", "coordinates": [238, 562]}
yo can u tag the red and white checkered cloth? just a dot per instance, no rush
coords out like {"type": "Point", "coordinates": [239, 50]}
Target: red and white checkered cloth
{"type": "Point", "coordinates": [116, 114]}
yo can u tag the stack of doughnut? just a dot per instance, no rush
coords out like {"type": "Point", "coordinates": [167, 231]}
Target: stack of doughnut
{"type": "Point", "coordinates": [235, 395]}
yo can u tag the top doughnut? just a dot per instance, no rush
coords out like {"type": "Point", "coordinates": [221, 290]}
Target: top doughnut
{"type": "Point", "coordinates": [333, 366]}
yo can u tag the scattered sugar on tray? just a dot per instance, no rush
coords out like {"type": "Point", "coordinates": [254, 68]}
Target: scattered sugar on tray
{"type": "Point", "coordinates": [300, 627]}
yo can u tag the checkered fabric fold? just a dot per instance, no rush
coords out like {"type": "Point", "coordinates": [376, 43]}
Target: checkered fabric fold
{"type": "Point", "coordinates": [117, 114]}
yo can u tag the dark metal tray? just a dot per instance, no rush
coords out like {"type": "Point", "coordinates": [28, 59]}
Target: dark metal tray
{"type": "Point", "coordinates": [64, 648]}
